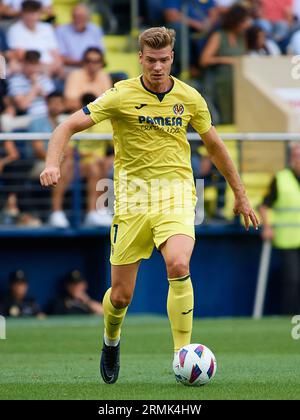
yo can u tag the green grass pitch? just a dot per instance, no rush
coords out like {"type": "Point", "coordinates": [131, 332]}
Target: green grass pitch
{"type": "Point", "coordinates": [58, 358]}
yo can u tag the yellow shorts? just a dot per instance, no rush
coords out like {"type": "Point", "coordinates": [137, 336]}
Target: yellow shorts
{"type": "Point", "coordinates": [133, 236]}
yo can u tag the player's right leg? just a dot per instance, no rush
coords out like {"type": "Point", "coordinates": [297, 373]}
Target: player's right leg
{"type": "Point", "coordinates": [115, 304]}
{"type": "Point", "coordinates": [131, 241]}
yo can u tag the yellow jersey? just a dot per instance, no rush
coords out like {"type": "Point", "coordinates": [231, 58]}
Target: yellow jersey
{"type": "Point", "coordinates": [149, 129]}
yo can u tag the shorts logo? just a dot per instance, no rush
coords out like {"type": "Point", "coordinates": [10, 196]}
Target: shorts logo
{"type": "Point", "coordinates": [178, 109]}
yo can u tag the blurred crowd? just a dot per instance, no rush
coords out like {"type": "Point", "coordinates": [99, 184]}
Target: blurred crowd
{"type": "Point", "coordinates": [54, 70]}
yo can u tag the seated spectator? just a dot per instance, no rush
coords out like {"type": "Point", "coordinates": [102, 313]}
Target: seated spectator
{"type": "Point", "coordinates": [219, 56]}
{"type": "Point", "coordinates": [91, 78]}
{"type": "Point", "coordinates": [12, 8]}
{"type": "Point", "coordinates": [276, 18]}
{"type": "Point", "coordinates": [200, 19]}
{"type": "Point", "coordinates": [258, 44]}
{"type": "Point", "coordinates": [55, 105]}
{"type": "Point", "coordinates": [75, 38]}
{"type": "Point", "coordinates": [75, 300]}
{"type": "Point", "coordinates": [17, 303]}
{"type": "Point", "coordinates": [200, 14]}
{"type": "Point", "coordinates": [29, 88]}
{"type": "Point", "coordinates": [29, 33]}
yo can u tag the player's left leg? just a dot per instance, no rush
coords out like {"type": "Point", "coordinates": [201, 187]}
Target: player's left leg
{"type": "Point", "coordinates": [177, 251]}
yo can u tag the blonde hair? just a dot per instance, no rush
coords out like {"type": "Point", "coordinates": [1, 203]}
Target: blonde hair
{"type": "Point", "coordinates": [157, 38]}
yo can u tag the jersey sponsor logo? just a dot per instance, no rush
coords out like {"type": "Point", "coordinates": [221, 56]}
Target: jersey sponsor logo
{"type": "Point", "coordinates": [162, 121]}
{"type": "Point", "coordinates": [141, 106]}
{"type": "Point", "coordinates": [178, 109]}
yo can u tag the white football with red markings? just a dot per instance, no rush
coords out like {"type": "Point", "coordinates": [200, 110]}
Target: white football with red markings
{"type": "Point", "coordinates": [194, 365]}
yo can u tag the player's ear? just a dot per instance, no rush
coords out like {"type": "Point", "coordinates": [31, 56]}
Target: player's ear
{"type": "Point", "coordinates": [172, 56]}
{"type": "Point", "coordinates": [140, 56]}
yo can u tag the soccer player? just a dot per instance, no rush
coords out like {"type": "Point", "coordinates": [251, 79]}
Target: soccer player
{"type": "Point", "coordinates": [150, 114]}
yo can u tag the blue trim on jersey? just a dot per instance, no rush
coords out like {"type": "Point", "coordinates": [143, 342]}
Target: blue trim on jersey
{"type": "Point", "coordinates": [86, 110]}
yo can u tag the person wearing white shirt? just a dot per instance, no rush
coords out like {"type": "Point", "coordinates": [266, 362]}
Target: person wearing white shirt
{"type": "Point", "coordinates": [28, 33]}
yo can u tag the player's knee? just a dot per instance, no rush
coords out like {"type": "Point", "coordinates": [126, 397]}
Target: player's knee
{"type": "Point", "coordinates": [120, 300]}
{"type": "Point", "coordinates": [178, 267]}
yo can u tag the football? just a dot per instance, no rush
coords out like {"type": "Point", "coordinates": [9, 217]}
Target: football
{"type": "Point", "coordinates": [194, 365]}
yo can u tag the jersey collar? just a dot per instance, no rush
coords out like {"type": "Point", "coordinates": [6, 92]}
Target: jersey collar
{"type": "Point", "coordinates": [159, 95]}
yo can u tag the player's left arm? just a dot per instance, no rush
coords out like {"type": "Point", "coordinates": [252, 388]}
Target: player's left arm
{"type": "Point", "coordinates": [222, 160]}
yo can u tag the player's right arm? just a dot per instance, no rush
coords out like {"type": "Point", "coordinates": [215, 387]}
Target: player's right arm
{"type": "Point", "coordinates": [78, 121]}
{"type": "Point", "coordinates": [107, 106]}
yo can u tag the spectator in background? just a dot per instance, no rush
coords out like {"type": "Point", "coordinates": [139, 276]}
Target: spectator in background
{"type": "Point", "coordinates": [200, 19]}
{"type": "Point", "coordinates": [75, 38]}
{"type": "Point", "coordinates": [75, 300]}
{"type": "Point", "coordinates": [284, 200]}
{"type": "Point", "coordinates": [12, 8]}
{"type": "Point", "coordinates": [29, 88]}
{"type": "Point", "coordinates": [17, 303]}
{"type": "Point", "coordinates": [276, 18]}
{"type": "Point", "coordinates": [91, 78]}
{"type": "Point", "coordinates": [46, 124]}
{"type": "Point", "coordinates": [258, 44]}
{"type": "Point", "coordinates": [29, 33]}
{"type": "Point", "coordinates": [219, 56]}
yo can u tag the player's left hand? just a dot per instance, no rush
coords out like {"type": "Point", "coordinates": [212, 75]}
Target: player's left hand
{"type": "Point", "coordinates": [243, 207]}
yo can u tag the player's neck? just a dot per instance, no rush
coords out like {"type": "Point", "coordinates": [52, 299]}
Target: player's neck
{"type": "Point", "coordinates": [158, 87]}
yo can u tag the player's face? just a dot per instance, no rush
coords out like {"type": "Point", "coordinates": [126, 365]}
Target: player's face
{"type": "Point", "coordinates": [156, 64]}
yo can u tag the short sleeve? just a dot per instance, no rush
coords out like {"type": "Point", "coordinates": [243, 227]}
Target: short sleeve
{"type": "Point", "coordinates": [201, 120]}
{"type": "Point", "coordinates": [105, 107]}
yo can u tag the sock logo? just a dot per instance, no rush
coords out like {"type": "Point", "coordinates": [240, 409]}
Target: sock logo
{"type": "Point", "coordinates": [187, 312]}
